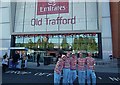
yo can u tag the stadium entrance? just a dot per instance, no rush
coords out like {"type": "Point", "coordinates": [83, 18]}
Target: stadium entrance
{"type": "Point", "coordinates": [50, 44]}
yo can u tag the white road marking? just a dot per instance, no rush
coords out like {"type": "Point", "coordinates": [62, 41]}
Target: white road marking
{"type": "Point", "coordinates": [43, 73]}
{"type": "Point", "coordinates": [8, 72]}
{"type": "Point", "coordinates": [23, 73]}
{"type": "Point", "coordinates": [111, 78]}
{"type": "Point", "coordinates": [40, 74]}
{"type": "Point", "coordinates": [100, 78]}
{"type": "Point", "coordinates": [29, 72]}
{"type": "Point", "coordinates": [15, 72]}
{"type": "Point", "coordinates": [18, 72]}
{"type": "Point", "coordinates": [12, 71]}
{"type": "Point", "coordinates": [118, 78]}
{"type": "Point", "coordinates": [115, 79]}
{"type": "Point", "coordinates": [36, 74]}
{"type": "Point", "coordinates": [49, 74]}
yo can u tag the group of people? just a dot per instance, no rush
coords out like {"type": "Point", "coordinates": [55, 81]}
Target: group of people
{"type": "Point", "coordinates": [16, 61]}
{"type": "Point", "coordinates": [68, 67]}
{"type": "Point", "coordinates": [19, 60]}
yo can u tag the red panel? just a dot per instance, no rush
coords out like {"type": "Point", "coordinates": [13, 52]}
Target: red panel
{"type": "Point", "coordinates": [52, 7]}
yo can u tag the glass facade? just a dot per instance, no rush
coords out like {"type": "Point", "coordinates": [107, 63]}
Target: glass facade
{"type": "Point", "coordinates": [67, 42]}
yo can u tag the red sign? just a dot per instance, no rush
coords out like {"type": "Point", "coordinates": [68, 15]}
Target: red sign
{"type": "Point", "coordinates": [52, 7]}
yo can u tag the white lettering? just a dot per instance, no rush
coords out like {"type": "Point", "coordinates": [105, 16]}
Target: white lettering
{"type": "Point", "coordinates": [52, 8]}
{"type": "Point", "coordinates": [41, 9]}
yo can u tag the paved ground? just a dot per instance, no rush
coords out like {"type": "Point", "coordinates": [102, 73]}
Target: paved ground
{"type": "Point", "coordinates": [108, 73]}
{"type": "Point", "coordinates": [101, 66]}
{"type": "Point", "coordinates": [37, 76]}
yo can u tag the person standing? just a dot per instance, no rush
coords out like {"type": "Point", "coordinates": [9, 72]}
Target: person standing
{"type": "Point", "coordinates": [16, 57]}
{"type": "Point", "coordinates": [58, 70]}
{"type": "Point", "coordinates": [4, 62]}
{"type": "Point", "coordinates": [90, 70]}
{"type": "Point", "coordinates": [38, 58]}
{"type": "Point", "coordinates": [73, 73]}
{"type": "Point", "coordinates": [81, 69]}
{"type": "Point", "coordinates": [66, 70]}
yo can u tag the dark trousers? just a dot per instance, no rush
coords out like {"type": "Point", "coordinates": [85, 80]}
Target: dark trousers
{"type": "Point", "coordinates": [4, 67]}
{"type": "Point", "coordinates": [38, 64]}
{"type": "Point", "coordinates": [14, 64]}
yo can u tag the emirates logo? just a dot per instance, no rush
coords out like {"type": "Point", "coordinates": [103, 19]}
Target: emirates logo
{"type": "Point", "coordinates": [51, 2]}
{"type": "Point", "coordinates": [52, 7]}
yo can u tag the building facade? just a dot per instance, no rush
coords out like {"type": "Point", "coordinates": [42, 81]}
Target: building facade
{"type": "Point", "coordinates": [84, 26]}
{"type": "Point", "coordinates": [115, 17]}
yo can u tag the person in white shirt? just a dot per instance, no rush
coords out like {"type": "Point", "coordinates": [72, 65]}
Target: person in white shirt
{"type": "Point", "coordinates": [4, 63]}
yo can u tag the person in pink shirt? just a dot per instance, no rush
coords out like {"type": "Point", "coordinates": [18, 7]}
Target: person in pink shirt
{"type": "Point", "coordinates": [58, 70]}
{"type": "Point", "coordinates": [81, 69]}
{"type": "Point", "coordinates": [90, 69]}
{"type": "Point", "coordinates": [66, 70]}
{"type": "Point", "coordinates": [73, 73]}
